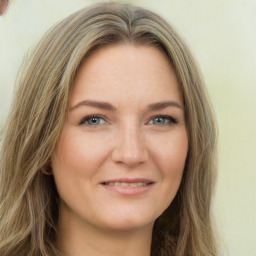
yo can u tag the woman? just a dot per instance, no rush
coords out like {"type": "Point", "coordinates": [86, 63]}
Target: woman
{"type": "Point", "coordinates": [110, 144]}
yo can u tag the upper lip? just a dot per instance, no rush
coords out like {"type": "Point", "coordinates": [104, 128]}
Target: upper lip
{"type": "Point", "coordinates": [128, 180]}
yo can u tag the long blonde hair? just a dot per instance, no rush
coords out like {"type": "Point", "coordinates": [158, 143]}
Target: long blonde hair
{"type": "Point", "coordinates": [28, 197]}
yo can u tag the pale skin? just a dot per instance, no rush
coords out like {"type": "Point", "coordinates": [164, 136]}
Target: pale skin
{"type": "Point", "coordinates": [121, 154]}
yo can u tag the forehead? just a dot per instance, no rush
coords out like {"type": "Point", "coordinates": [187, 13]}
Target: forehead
{"type": "Point", "coordinates": [126, 71]}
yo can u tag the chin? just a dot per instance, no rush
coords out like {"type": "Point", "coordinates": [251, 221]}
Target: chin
{"type": "Point", "coordinates": [129, 225]}
{"type": "Point", "coordinates": [129, 221]}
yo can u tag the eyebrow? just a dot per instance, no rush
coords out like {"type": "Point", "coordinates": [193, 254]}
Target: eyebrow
{"type": "Point", "coordinates": [108, 106]}
{"type": "Point", "coordinates": [165, 104]}
{"type": "Point", "coordinates": [97, 104]}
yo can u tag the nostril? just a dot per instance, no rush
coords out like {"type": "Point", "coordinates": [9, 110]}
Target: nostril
{"type": "Point", "coordinates": [129, 159]}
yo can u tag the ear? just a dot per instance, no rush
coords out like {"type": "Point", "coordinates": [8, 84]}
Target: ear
{"type": "Point", "coordinates": [47, 170]}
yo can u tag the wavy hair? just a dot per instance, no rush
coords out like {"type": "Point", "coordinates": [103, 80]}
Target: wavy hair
{"type": "Point", "coordinates": [28, 198]}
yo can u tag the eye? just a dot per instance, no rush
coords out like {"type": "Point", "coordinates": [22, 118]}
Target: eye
{"type": "Point", "coordinates": [163, 120]}
{"type": "Point", "coordinates": [93, 120]}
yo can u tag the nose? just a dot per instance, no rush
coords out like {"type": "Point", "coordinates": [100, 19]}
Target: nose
{"type": "Point", "coordinates": [130, 148]}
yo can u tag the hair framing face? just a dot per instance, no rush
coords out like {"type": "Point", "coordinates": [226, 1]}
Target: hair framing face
{"type": "Point", "coordinates": [38, 112]}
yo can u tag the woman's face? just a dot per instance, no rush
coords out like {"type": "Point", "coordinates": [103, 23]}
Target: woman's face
{"type": "Point", "coordinates": [122, 151]}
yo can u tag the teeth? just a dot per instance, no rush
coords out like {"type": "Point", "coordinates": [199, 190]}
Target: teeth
{"type": "Point", "coordinates": [126, 184]}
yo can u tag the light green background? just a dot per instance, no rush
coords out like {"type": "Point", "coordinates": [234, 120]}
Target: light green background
{"type": "Point", "coordinates": [222, 36]}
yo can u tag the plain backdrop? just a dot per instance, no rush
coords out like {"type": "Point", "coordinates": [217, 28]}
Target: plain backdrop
{"type": "Point", "coordinates": [222, 36]}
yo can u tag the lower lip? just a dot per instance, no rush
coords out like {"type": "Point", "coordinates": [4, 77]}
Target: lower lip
{"type": "Point", "coordinates": [129, 191]}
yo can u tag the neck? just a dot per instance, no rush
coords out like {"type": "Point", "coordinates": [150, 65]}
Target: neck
{"type": "Point", "coordinates": [81, 239]}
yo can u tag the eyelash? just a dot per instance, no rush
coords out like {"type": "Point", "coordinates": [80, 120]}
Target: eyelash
{"type": "Point", "coordinates": [170, 120]}
{"type": "Point", "coordinates": [85, 119]}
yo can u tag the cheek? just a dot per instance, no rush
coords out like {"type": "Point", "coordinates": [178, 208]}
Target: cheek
{"type": "Point", "coordinates": [76, 161]}
{"type": "Point", "coordinates": [170, 153]}
{"type": "Point", "coordinates": [169, 158]}
{"type": "Point", "coordinates": [80, 154]}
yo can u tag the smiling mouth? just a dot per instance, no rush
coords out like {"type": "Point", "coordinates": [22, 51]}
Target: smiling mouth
{"type": "Point", "coordinates": [128, 187]}
{"type": "Point", "coordinates": [126, 184]}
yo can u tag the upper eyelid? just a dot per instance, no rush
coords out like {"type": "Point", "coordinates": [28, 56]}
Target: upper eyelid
{"type": "Point", "coordinates": [162, 115]}
{"type": "Point", "coordinates": [152, 117]}
{"type": "Point", "coordinates": [171, 118]}
{"type": "Point", "coordinates": [83, 120]}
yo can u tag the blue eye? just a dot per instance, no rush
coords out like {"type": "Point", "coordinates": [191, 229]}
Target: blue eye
{"type": "Point", "coordinates": [92, 120]}
{"type": "Point", "coordinates": [163, 120]}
